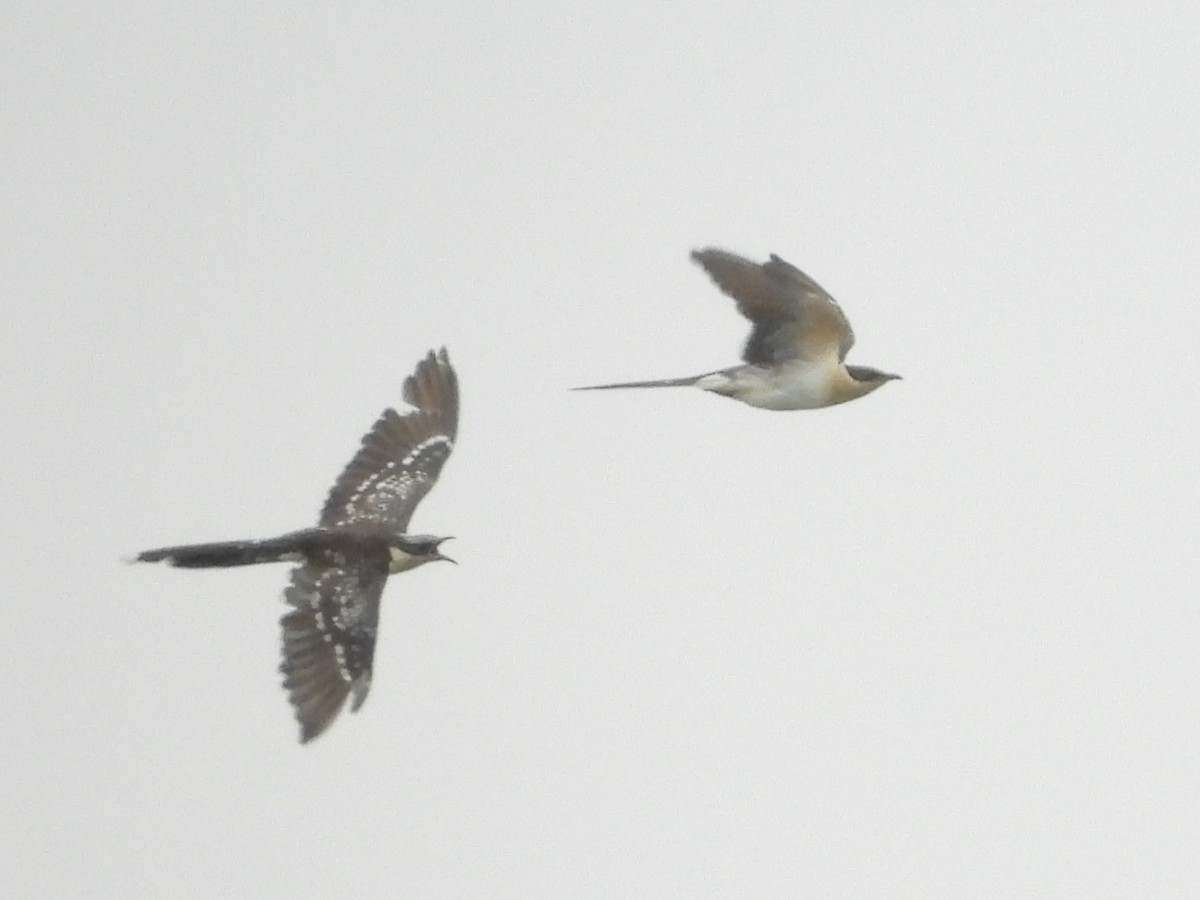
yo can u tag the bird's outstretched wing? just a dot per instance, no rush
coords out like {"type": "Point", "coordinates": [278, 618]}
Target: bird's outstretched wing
{"type": "Point", "coordinates": [329, 636]}
{"type": "Point", "coordinates": [793, 316]}
{"type": "Point", "coordinates": [402, 455]}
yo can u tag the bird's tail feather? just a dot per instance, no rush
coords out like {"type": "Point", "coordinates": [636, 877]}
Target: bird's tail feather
{"type": "Point", "coordinates": [663, 382]}
{"type": "Point", "coordinates": [226, 553]}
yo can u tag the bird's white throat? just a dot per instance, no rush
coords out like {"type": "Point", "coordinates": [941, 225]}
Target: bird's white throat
{"type": "Point", "coordinates": [403, 561]}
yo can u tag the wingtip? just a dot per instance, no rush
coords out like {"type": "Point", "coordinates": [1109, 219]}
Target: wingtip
{"type": "Point", "coordinates": [437, 356]}
{"type": "Point", "coordinates": [714, 259]}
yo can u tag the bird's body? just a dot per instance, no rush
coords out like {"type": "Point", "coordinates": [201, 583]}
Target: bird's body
{"type": "Point", "coordinates": [344, 562]}
{"type": "Point", "coordinates": [793, 385]}
{"type": "Point", "coordinates": [368, 539]}
{"type": "Point", "coordinates": [795, 355]}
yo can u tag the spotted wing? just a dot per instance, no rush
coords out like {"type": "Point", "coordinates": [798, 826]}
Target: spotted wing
{"type": "Point", "coordinates": [793, 316]}
{"type": "Point", "coordinates": [329, 637]}
{"type": "Point", "coordinates": [402, 455]}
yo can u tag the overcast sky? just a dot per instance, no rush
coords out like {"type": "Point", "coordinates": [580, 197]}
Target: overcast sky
{"type": "Point", "coordinates": [939, 642]}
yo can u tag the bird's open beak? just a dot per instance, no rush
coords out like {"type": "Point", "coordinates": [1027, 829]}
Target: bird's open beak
{"type": "Point", "coordinates": [437, 554]}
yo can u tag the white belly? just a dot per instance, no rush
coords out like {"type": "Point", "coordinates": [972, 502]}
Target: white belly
{"type": "Point", "coordinates": [792, 386]}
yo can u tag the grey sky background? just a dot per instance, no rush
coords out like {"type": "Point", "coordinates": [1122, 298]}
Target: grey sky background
{"type": "Point", "coordinates": [937, 642]}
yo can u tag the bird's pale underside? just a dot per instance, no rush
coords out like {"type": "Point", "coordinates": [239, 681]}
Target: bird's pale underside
{"type": "Point", "coordinates": [795, 355]}
{"type": "Point", "coordinates": [361, 537]}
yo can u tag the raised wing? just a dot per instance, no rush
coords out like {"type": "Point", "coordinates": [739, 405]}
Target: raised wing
{"type": "Point", "coordinates": [329, 637]}
{"type": "Point", "coordinates": [793, 316]}
{"type": "Point", "coordinates": [402, 455]}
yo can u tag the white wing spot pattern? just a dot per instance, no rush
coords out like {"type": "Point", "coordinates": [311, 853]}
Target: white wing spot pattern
{"type": "Point", "coordinates": [339, 653]}
{"type": "Point", "coordinates": [391, 485]}
{"type": "Point", "coordinates": [347, 617]}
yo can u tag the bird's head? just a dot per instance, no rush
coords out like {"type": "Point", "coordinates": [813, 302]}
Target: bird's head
{"type": "Point", "coordinates": [869, 378]}
{"type": "Point", "coordinates": [412, 550]}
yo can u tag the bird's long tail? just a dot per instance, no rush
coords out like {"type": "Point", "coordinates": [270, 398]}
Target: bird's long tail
{"type": "Point", "coordinates": [226, 553]}
{"type": "Point", "coordinates": [664, 382]}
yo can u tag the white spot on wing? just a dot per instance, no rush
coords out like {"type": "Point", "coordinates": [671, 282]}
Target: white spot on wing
{"type": "Point", "coordinates": [390, 486]}
{"type": "Point", "coordinates": [339, 653]}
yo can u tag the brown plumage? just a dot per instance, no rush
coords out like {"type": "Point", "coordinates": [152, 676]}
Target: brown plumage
{"type": "Point", "coordinates": [794, 357]}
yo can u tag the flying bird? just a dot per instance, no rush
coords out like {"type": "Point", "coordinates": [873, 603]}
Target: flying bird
{"type": "Point", "coordinates": [360, 539]}
{"type": "Point", "coordinates": [795, 356]}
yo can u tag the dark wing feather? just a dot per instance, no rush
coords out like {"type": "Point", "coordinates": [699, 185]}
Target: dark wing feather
{"type": "Point", "coordinates": [329, 636]}
{"type": "Point", "coordinates": [402, 455]}
{"type": "Point", "coordinates": [793, 316]}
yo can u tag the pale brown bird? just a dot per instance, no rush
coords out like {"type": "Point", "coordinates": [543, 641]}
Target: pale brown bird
{"type": "Point", "coordinates": [795, 356]}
